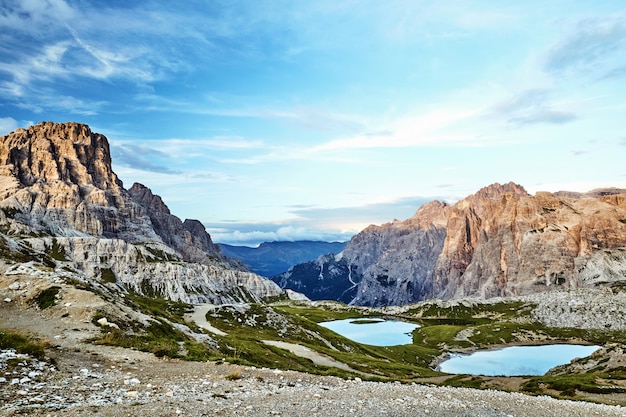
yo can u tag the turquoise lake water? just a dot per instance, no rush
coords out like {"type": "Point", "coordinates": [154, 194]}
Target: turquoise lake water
{"type": "Point", "coordinates": [379, 333]}
{"type": "Point", "coordinates": [515, 360]}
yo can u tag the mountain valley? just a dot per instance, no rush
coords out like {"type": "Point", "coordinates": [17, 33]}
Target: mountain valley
{"type": "Point", "coordinates": [272, 258]}
{"type": "Point", "coordinates": [111, 305]}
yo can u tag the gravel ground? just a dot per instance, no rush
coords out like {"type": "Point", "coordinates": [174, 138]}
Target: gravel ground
{"type": "Point", "coordinates": [116, 382]}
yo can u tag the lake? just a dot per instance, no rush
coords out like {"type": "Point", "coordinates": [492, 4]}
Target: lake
{"type": "Point", "coordinates": [376, 332]}
{"type": "Point", "coordinates": [515, 360]}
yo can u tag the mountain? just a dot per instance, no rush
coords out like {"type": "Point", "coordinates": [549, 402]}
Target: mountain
{"type": "Point", "coordinates": [500, 241]}
{"type": "Point", "coordinates": [272, 258]}
{"type": "Point", "coordinates": [329, 277]}
{"type": "Point", "coordinates": [61, 202]}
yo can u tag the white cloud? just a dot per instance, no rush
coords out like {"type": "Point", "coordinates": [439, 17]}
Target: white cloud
{"type": "Point", "coordinates": [422, 129]}
{"type": "Point", "coordinates": [285, 233]}
{"type": "Point", "coordinates": [7, 125]}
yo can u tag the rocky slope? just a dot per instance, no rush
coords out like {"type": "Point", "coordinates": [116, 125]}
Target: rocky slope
{"type": "Point", "coordinates": [329, 277]}
{"type": "Point", "coordinates": [62, 203]}
{"type": "Point", "coordinates": [500, 241]}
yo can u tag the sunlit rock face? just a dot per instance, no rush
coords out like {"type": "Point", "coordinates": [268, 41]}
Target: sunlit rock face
{"type": "Point", "coordinates": [56, 181]}
{"type": "Point", "coordinates": [500, 241]}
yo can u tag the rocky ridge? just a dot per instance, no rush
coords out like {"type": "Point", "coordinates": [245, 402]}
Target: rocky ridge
{"type": "Point", "coordinates": [61, 201]}
{"type": "Point", "coordinates": [498, 242]}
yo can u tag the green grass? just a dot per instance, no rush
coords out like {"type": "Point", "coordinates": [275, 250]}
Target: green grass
{"type": "Point", "coordinates": [297, 324]}
{"type": "Point", "coordinates": [160, 307]}
{"type": "Point", "coordinates": [21, 344]}
{"type": "Point", "coordinates": [159, 337]}
{"type": "Point", "coordinates": [484, 325]}
{"type": "Point", "coordinates": [568, 385]}
{"type": "Point", "coordinates": [48, 297]}
{"type": "Point", "coordinates": [465, 381]}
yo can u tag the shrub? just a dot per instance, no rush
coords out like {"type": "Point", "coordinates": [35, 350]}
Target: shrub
{"type": "Point", "coordinates": [48, 297]}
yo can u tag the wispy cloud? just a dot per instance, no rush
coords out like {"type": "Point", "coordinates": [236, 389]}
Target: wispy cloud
{"type": "Point", "coordinates": [619, 72]}
{"type": "Point", "coordinates": [531, 106]}
{"type": "Point", "coordinates": [429, 128]}
{"type": "Point", "coordinates": [252, 234]}
{"type": "Point", "coordinates": [545, 116]}
{"type": "Point", "coordinates": [591, 42]}
{"type": "Point", "coordinates": [141, 158]}
{"type": "Point", "coordinates": [335, 224]}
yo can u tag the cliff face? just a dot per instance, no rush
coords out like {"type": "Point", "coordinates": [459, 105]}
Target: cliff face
{"type": "Point", "coordinates": [58, 178]}
{"type": "Point", "coordinates": [498, 242]}
{"type": "Point", "coordinates": [510, 243]}
{"type": "Point", "coordinates": [56, 181]}
{"type": "Point", "coordinates": [396, 260]}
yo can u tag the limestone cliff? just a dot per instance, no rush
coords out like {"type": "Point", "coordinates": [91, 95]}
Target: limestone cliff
{"type": "Point", "coordinates": [500, 241]}
{"type": "Point", "coordinates": [57, 190]}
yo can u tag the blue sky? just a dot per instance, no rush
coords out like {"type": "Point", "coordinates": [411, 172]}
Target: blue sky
{"type": "Point", "coordinates": [283, 120]}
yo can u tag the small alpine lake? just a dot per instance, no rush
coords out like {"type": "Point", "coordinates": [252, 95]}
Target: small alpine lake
{"type": "Point", "coordinates": [515, 360]}
{"type": "Point", "coordinates": [373, 331]}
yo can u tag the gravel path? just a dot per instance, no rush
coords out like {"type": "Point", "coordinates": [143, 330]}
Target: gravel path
{"type": "Point", "coordinates": [313, 356]}
{"type": "Point", "coordinates": [199, 317]}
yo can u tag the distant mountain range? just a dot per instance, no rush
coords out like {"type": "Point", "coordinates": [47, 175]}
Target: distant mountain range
{"type": "Point", "coordinates": [273, 258]}
{"type": "Point", "coordinates": [500, 241]}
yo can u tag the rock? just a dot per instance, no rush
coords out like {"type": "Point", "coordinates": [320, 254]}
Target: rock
{"type": "Point", "coordinates": [57, 185]}
{"type": "Point", "coordinates": [102, 321]}
{"type": "Point", "coordinates": [501, 241]}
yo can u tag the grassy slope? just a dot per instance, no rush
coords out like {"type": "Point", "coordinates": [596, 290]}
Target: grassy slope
{"type": "Point", "coordinates": [443, 330]}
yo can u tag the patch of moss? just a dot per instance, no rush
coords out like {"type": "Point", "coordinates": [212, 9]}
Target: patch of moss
{"type": "Point", "coordinates": [159, 255]}
{"type": "Point", "coordinates": [11, 212]}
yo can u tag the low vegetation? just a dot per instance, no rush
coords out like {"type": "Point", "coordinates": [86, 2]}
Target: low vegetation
{"type": "Point", "coordinates": [21, 344]}
{"type": "Point", "coordinates": [443, 329]}
{"type": "Point", "coordinates": [48, 297]}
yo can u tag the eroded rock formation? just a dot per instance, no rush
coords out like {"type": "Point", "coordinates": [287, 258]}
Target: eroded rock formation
{"type": "Point", "coordinates": [56, 182]}
{"type": "Point", "coordinates": [500, 241]}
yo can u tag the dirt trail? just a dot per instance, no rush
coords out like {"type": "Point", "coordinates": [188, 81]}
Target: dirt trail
{"type": "Point", "coordinates": [199, 317]}
{"type": "Point", "coordinates": [313, 356]}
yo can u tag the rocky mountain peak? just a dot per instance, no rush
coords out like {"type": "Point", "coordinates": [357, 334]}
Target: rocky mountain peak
{"type": "Point", "coordinates": [500, 241]}
{"type": "Point", "coordinates": [57, 189]}
{"type": "Point", "coordinates": [67, 152]}
{"type": "Point", "coordinates": [144, 196]}
{"type": "Point", "coordinates": [432, 214]}
{"type": "Point", "coordinates": [496, 190]}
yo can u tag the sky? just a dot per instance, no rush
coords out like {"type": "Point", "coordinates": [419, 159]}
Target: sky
{"type": "Point", "coordinates": [298, 119]}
